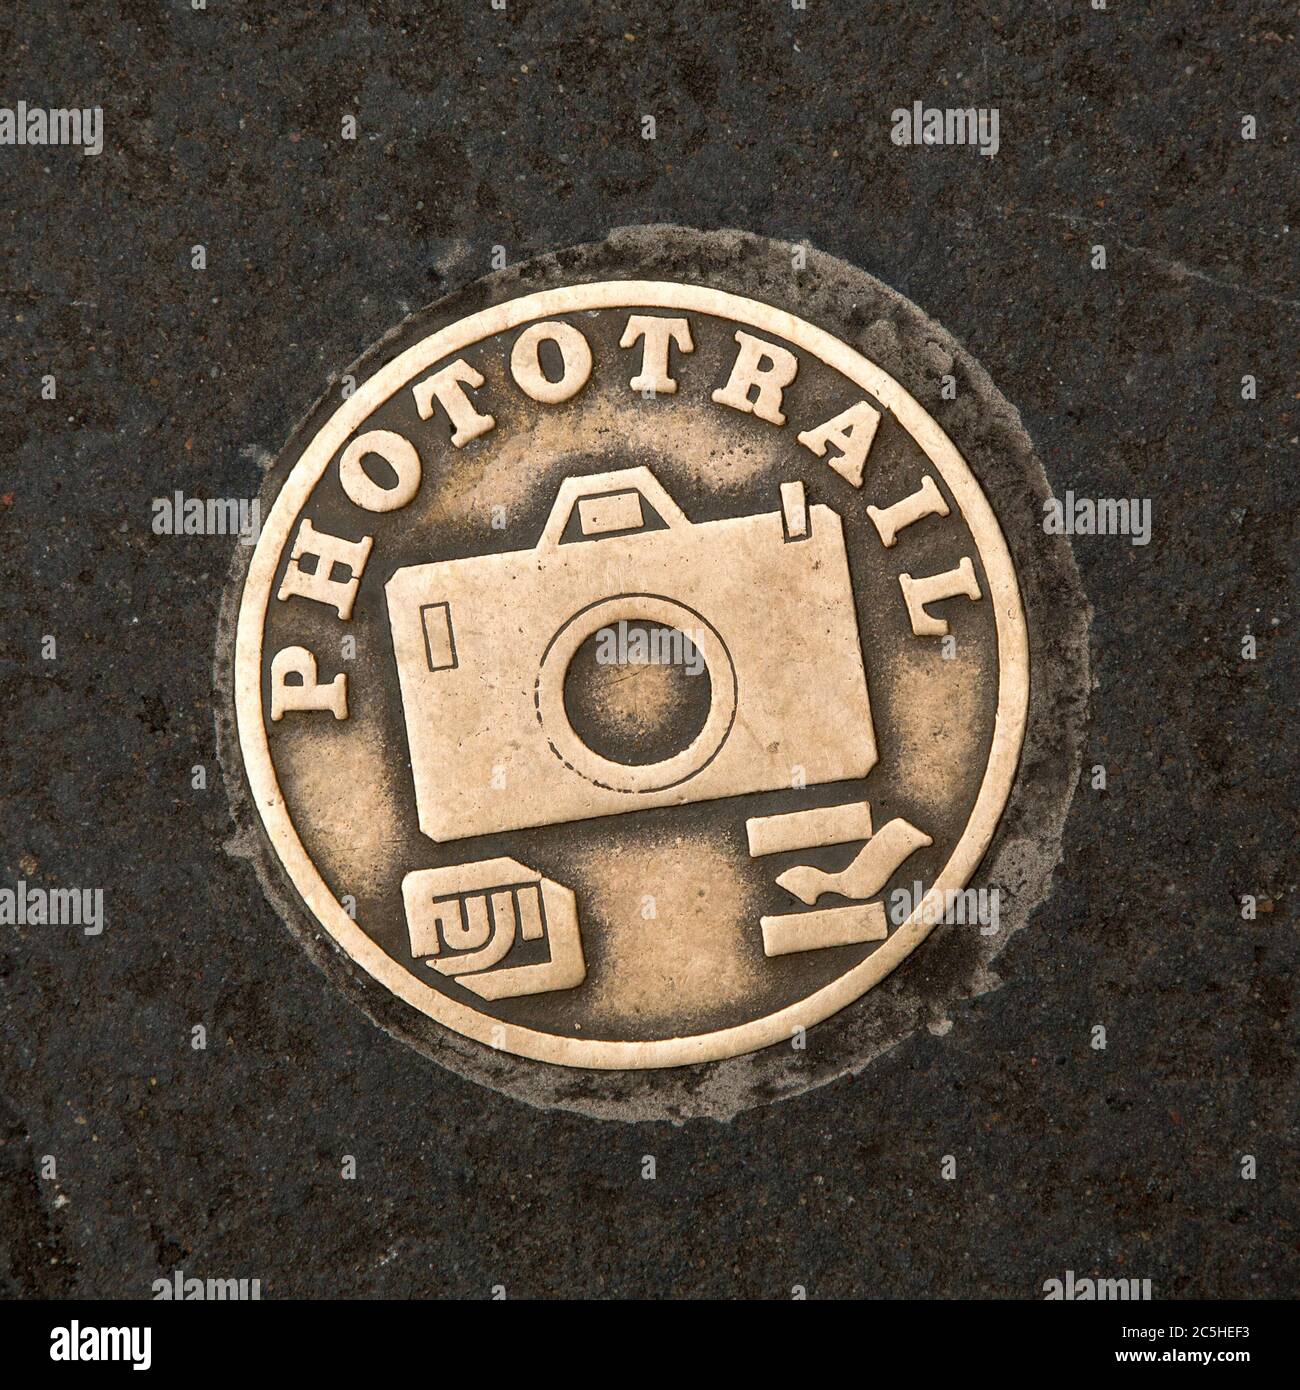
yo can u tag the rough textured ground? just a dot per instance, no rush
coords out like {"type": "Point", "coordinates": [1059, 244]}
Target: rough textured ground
{"type": "Point", "coordinates": [522, 128]}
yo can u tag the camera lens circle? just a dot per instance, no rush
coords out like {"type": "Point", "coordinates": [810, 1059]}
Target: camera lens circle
{"type": "Point", "coordinates": [625, 614]}
{"type": "Point", "coordinates": [638, 692]}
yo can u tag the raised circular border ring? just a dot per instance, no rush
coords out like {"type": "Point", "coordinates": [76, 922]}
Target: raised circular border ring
{"type": "Point", "coordinates": [1009, 724]}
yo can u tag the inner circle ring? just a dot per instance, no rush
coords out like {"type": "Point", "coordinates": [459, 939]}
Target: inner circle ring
{"type": "Point", "coordinates": [995, 787]}
{"type": "Point", "coordinates": [635, 777]}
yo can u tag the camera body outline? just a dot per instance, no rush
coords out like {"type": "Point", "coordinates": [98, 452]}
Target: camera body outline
{"type": "Point", "coordinates": [482, 644]}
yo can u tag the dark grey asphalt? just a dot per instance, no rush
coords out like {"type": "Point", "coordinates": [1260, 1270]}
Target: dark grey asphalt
{"type": "Point", "coordinates": [523, 128]}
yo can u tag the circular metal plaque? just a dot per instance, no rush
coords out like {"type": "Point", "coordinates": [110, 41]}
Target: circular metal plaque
{"type": "Point", "coordinates": [631, 673]}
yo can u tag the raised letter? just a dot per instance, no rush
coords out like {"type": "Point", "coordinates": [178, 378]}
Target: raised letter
{"type": "Point", "coordinates": [749, 374]}
{"type": "Point", "coordinates": [308, 694]}
{"type": "Point", "coordinates": [448, 388]}
{"type": "Point", "coordinates": [526, 366]}
{"type": "Point", "coordinates": [398, 453]}
{"type": "Point", "coordinates": [329, 551]}
{"type": "Point", "coordinates": [851, 432]}
{"type": "Point", "coordinates": [919, 592]}
{"type": "Point", "coordinates": [657, 334]}
{"type": "Point", "coordinates": [927, 500]}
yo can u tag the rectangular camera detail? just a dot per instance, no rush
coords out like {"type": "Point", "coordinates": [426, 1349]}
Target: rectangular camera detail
{"type": "Point", "coordinates": [439, 641]}
{"type": "Point", "coordinates": [787, 678]}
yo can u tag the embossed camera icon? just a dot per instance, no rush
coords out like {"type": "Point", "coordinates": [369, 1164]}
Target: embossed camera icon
{"type": "Point", "coordinates": [483, 645]}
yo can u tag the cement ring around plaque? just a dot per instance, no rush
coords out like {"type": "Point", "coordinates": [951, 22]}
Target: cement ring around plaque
{"type": "Point", "coordinates": [897, 653]}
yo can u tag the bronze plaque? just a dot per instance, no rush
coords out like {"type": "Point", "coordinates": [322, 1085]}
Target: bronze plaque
{"type": "Point", "coordinates": [630, 673]}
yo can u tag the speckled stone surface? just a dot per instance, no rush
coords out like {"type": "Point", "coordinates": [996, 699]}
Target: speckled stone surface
{"type": "Point", "coordinates": [522, 128]}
